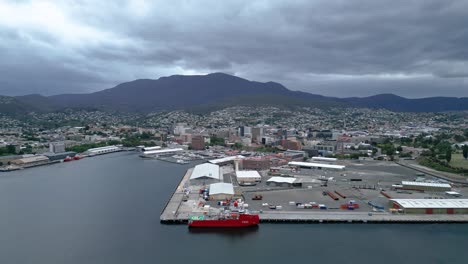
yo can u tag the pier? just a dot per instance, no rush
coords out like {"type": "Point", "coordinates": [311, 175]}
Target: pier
{"type": "Point", "coordinates": [171, 212]}
{"type": "Point", "coordinates": [174, 213]}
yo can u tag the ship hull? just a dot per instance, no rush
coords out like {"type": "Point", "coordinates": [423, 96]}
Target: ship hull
{"type": "Point", "coordinates": [243, 221]}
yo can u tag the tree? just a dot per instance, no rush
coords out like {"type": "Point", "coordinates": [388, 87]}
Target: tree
{"type": "Point", "coordinates": [399, 149]}
{"type": "Point", "coordinates": [465, 151]}
{"type": "Point", "coordinates": [11, 149]}
{"type": "Point", "coordinates": [448, 155]}
{"type": "Point", "coordinates": [459, 138]}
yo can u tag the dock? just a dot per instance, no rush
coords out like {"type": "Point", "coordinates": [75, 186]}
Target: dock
{"type": "Point", "coordinates": [171, 212]}
{"type": "Point", "coordinates": [177, 212]}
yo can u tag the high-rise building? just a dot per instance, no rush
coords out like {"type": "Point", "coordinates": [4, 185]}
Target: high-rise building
{"type": "Point", "coordinates": [257, 134]}
{"type": "Point", "coordinates": [244, 131]}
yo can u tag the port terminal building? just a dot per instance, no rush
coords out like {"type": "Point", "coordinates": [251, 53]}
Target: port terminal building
{"type": "Point", "coordinates": [430, 206]}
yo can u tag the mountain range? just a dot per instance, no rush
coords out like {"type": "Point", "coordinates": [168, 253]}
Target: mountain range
{"type": "Point", "coordinates": [213, 91]}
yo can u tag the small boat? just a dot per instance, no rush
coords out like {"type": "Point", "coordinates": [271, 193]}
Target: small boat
{"type": "Point", "coordinates": [77, 157]}
{"type": "Point", "coordinates": [67, 159]}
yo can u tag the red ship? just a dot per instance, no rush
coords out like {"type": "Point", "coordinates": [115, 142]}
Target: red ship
{"type": "Point", "coordinates": [226, 220]}
{"type": "Point", "coordinates": [67, 159]}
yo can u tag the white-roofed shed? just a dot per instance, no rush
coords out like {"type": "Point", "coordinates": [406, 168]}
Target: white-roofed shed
{"type": "Point", "coordinates": [248, 176]}
{"type": "Point", "coordinates": [221, 191]}
{"type": "Point", "coordinates": [206, 171]}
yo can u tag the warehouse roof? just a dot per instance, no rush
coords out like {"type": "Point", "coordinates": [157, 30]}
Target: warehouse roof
{"type": "Point", "coordinates": [221, 188]}
{"type": "Point", "coordinates": [426, 184]}
{"type": "Point", "coordinates": [206, 170]}
{"type": "Point", "coordinates": [316, 165]}
{"type": "Point", "coordinates": [103, 148]}
{"type": "Point", "coordinates": [282, 180]}
{"type": "Point", "coordinates": [248, 174]}
{"type": "Point", "coordinates": [162, 151]}
{"type": "Point", "coordinates": [151, 148]}
{"type": "Point", "coordinates": [324, 159]}
{"type": "Point", "coordinates": [226, 159]}
{"type": "Point", "coordinates": [33, 159]}
{"type": "Point", "coordinates": [432, 203]}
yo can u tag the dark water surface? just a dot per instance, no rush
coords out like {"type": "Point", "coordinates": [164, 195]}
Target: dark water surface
{"type": "Point", "coordinates": [106, 210]}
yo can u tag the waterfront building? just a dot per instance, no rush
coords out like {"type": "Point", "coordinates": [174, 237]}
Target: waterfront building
{"type": "Point", "coordinates": [31, 161]}
{"type": "Point", "coordinates": [431, 206]}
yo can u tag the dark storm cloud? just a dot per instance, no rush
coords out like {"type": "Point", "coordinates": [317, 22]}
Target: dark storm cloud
{"type": "Point", "coordinates": [340, 48]}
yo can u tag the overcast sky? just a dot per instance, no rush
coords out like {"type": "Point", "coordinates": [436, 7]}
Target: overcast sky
{"type": "Point", "coordinates": [339, 48]}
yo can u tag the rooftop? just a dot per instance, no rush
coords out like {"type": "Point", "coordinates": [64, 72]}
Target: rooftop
{"type": "Point", "coordinates": [432, 203]}
{"type": "Point", "coordinates": [427, 184]}
{"type": "Point", "coordinates": [226, 159]}
{"type": "Point", "coordinates": [316, 165]}
{"type": "Point", "coordinates": [248, 174]}
{"type": "Point", "coordinates": [160, 151]}
{"type": "Point", "coordinates": [282, 179]}
{"type": "Point", "coordinates": [221, 188]}
{"type": "Point", "coordinates": [206, 170]}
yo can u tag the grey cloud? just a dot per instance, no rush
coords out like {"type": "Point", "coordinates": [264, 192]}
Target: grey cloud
{"type": "Point", "coordinates": [297, 43]}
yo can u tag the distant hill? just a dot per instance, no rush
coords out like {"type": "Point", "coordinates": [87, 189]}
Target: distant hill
{"type": "Point", "coordinates": [13, 106]}
{"type": "Point", "coordinates": [400, 104]}
{"type": "Point", "coordinates": [217, 90]}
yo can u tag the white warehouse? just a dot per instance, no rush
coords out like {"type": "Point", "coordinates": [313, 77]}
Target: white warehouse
{"type": "Point", "coordinates": [248, 177]}
{"type": "Point", "coordinates": [102, 150]}
{"type": "Point", "coordinates": [206, 172]}
{"type": "Point", "coordinates": [221, 191]}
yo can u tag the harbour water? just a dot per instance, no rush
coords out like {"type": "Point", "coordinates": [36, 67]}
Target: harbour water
{"type": "Point", "coordinates": [106, 210]}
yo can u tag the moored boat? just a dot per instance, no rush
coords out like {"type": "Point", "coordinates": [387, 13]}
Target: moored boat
{"type": "Point", "coordinates": [232, 219]}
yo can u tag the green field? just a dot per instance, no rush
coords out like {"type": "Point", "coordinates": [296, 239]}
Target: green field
{"type": "Point", "coordinates": [458, 161]}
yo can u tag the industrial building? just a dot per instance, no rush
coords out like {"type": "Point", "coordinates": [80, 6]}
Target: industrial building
{"type": "Point", "coordinates": [256, 164]}
{"type": "Point", "coordinates": [425, 186]}
{"type": "Point", "coordinates": [226, 160]}
{"type": "Point", "coordinates": [281, 181]}
{"type": "Point", "coordinates": [310, 165]}
{"type": "Point", "coordinates": [59, 156]}
{"type": "Point", "coordinates": [248, 177]}
{"type": "Point", "coordinates": [221, 191]}
{"type": "Point", "coordinates": [431, 206]}
{"type": "Point", "coordinates": [31, 161]}
{"type": "Point", "coordinates": [102, 150]}
{"type": "Point", "coordinates": [151, 148]}
{"type": "Point", "coordinates": [206, 172]}
{"type": "Point", "coordinates": [162, 152]}
{"type": "Point", "coordinates": [324, 159]}
{"type": "Point", "coordinates": [297, 155]}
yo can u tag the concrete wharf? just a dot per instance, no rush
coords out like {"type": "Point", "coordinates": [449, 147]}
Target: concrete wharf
{"type": "Point", "coordinates": [172, 213]}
